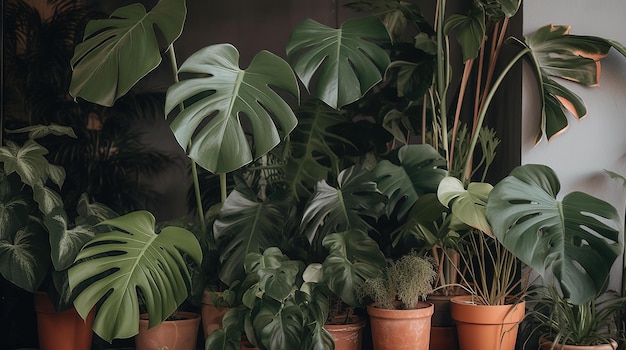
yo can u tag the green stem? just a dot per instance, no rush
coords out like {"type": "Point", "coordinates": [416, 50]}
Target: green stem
{"type": "Point", "coordinates": [194, 169]}
{"type": "Point", "coordinates": [483, 111]}
{"type": "Point", "coordinates": [442, 77]}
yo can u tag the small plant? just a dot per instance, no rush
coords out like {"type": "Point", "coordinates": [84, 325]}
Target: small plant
{"type": "Point", "coordinates": [407, 280]}
{"type": "Point", "coordinates": [556, 319]}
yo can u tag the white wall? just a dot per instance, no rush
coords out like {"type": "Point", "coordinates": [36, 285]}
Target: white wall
{"type": "Point", "coordinates": [597, 141]}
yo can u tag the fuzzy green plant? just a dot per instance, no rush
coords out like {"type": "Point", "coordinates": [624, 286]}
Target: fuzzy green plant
{"type": "Point", "coordinates": [406, 280]}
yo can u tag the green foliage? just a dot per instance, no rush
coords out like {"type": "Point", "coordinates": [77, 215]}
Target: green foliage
{"type": "Point", "coordinates": [556, 318]}
{"type": "Point", "coordinates": [576, 238]}
{"type": "Point", "coordinates": [406, 280]}
{"type": "Point", "coordinates": [115, 267]}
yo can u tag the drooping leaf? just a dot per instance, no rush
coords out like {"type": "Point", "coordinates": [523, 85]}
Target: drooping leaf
{"type": "Point", "coordinates": [39, 131]}
{"type": "Point", "coordinates": [222, 96]}
{"type": "Point", "coordinates": [557, 54]}
{"type": "Point", "coordinates": [65, 241]}
{"type": "Point", "coordinates": [25, 256]}
{"type": "Point", "coordinates": [117, 52]}
{"type": "Point", "coordinates": [576, 238]}
{"type": "Point", "coordinates": [353, 257]}
{"type": "Point", "coordinates": [468, 205]}
{"type": "Point", "coordinates": [355, 200]}
{"type": "Point", "coordinates": [47, 198]}
{"type": "Point", "coordinates": [345, 61]}
{"type": "Point", "coordinates": [115, 266]}
{"type": "Point", "coordinates": [418, 170]}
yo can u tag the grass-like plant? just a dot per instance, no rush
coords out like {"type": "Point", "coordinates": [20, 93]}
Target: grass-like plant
{"type": "Point", "coordinates": [554, 318]}
{"type": "Point", "coordinates": [406, 281]}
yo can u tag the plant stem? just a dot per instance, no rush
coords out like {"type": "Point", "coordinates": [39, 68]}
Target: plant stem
{"type": "Point", "coordinates": [442, 75]}
{"type": "Point", "coordinates": [194, 169]}
{"type": "Point", "coordinates": [485, 107]}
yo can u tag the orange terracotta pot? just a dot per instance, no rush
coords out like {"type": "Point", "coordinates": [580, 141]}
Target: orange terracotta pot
{"type": "Point", "coordinates": [61, 330]}
{"type": "Point", "coordinates": [178, 334]}
{"type": "Point", "coordinates": [348, 336]}
{"type": "Point", "coordinates": [443, 334]}
{"type": "Point", "coordinates": [394, 329]}
{"type": "Point", "coordinates": [486, 327]}
{"type": "Point", "coordinates": [547, 345]}
{"type": "Point", "coordinates": [211, 315]}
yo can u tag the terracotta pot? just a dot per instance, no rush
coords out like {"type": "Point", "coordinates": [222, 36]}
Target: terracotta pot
{"type": "Point", "coordinates": [211, 315]}
{"type": "Point", "coordinates": [486, 327]}
{"type": "Point", "coordinates": [61, 330]}
{"type": "Point", "coordinates": [394, 329]}
{"type": "Point", "coordinates": [547, 345]}
{"type": "Point", "coordinates": [443, 334]}
{"type": "Point", "coordinates": [347, 336]}
{"type": "Point", "coordinates": [178, 334]}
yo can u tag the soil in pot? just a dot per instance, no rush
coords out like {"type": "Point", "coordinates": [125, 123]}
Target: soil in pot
{"type": "Point", "coordinates": [394, 329]}
{"type": "Point", "coordinates": [180, 332]}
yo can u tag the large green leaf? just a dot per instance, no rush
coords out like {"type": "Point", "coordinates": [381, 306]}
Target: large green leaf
{"type": "Point", "coordinates": [467, 205]}
{"type": "Point", "coordinates": [115, 266]}
{"type": "Point", "coordinates": [345, 61]}
{"type": "Point", "coordinates": [418, 170]}
{"type": "Point", "coordinates": [576, 238]}
{"type": "Point", "coordinates": [353, 257]}
{"type": "Point", "coordinates": [119, 51]}
{"type": "Point", "coordinates": [246, 226]}
{"type": "Point", "coordinates": [280, 327]}
{"type": "Point", "coordinates": [556, 53]}
{"type": "Point", "coordinates": [355, 200]}
{"type": "Point", "coordinates": [210, 127]}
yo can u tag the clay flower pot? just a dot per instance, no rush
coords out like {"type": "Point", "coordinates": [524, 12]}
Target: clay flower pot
{"type": "Point", "coordinates": [394, 329]}
{"type": "Point", "coordinates": [211, 315]}
{"type": "Point", "coordinates": [547, 345]}
{"type": "Point", "coordinates": [348, 335]}
{"type": "Point", "coordinates": [486, 327]}
{"type": "Point", "coordinates": [61, 330]}
{"type": "Point", "coordinates": [180, 333]}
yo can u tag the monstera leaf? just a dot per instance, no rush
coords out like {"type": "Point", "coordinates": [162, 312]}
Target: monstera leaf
{"type": "Point", "coordinates": [417, 170]}
{"type": "Point", "coordinates": [210, 126]}
{"type": "Point", "coordinates": [346, 207]}
{"type": "Point", "coordinates": [119, 51]}
{"type": "Point", "coordinates": [115, 266]}
{"type": "Point", "coordinates": [353, 257]}
{"type": "Point", "coordinates": [347, 64]}
{"type": "Point", "coordinates": [576, 238]}
{"type": "Point", "coordinates": [470, 30]}
{"type": "Point", "coordinates": [246, 226]}
{"type": "Point", "coordinates": [557, 54]}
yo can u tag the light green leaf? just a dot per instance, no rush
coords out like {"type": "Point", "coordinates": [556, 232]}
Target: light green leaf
{"type": "Point", "coordinates": [65, 242]}
{"type": "Point", "coordinates": [39, 131]}
{"type": "Point", "coordinates": [47, 198]}
{"type": "Point", "coordinates": [216, 103]}
{"type": "Point", "coordinates": [468, 205]}
{"type": "Point", "coordinates": [345, 61]}
{"type": "Point", "coordinates": [117, 52]}
{"type": "Point", "coordinates": [114, 266]}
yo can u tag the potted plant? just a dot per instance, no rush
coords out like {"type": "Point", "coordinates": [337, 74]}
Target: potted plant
{"type": "Point", "coordinates": [560, 324]}
{"type": "Point", "coordinates": [399, 316]}
{"type": "Point", "coordinates": [39, 240]}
